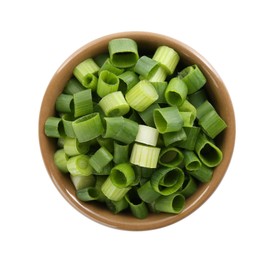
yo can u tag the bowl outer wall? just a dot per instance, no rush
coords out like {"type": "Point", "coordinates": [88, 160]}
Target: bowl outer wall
{"type": "Point", "coordinates": [218, 94]}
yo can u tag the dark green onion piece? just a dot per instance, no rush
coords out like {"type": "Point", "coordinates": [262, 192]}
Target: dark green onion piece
{"type": "Point", "coordinates": [81, 182]}
{"type": "Point", "coordinates": [67, 123]}
{"type": "Point", "coordinates": [167, 119]}
{"type": "Point", "coordinates": [163, 177]}
{"type": "Point", "coordinates": [73, 86]}
{"type": "Point", "coordinates": [189, 186]}
{"type": "Point", "coordinates": [207, 151]}
{"type": "Point", "coordinates": [203, 174]}
{"type": "Point", "coordinates": [72, 146]}
{"type": "Point", "coordinates": [147, 115]}
{"type": "Point", "coordinates": [60, 160]}
{"type": "Point", "coordinates": [83, 104]}
{"type": "Point", "coordinates": [174, 138]}
{"type": "Point", "coordinates": [122, 175]}
{"type": "Point", "coordinates": [173, 203]}
{"type": "Point", "coordinates": [88, 127]}
{"type": "Point", "coordinates": [107, 143]}
{"type": "Point", "coordinates": [107, 65]}
{"type": "Point", "coordinates": [129, 79]}
{"type": "Point", "coordinates": [192, 134]}
{"type": "Point", "coordinates": [79, 165]}
{"type": "Point", "coordinates": [191, 160]}
{"type": "Point", "coordinates": [170, 157]}
{"type": "Point", "coordinates": [205, 108]}
{"type": "Point", "coordinates": [117, 206]}
{"type": "Point", "coordinates": [176, 92]}
{"type": "Point", "coordinates": [121, 153]}
{"type": "Point", "coordinates": [123, 52]}
{"type": "Point", "coordinates": [100, 159]}
{"type": "Point", "coordinates": [160, 88]}
{"type": "Point", "coordinates": [64, 103]}
{"type": "Point", "coordinates": [87, 194]}
{"type": "Point", "coordinates": [54, 127]}
{"type": "Point", "coordinates": [193, 77]}
{"type": "Point", "coordinates": [108, 82]}
{"type": "Point", "coordinates": [101, 58]}
{"type": "Point", "coordinates": [198, 97]}
{"type": "Point", "coordinates": [147, 193]}
{"type": "Point", "coordinates": [145, 66]}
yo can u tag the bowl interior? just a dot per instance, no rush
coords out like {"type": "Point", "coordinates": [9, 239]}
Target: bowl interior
{"type": "Point", "coordinates": [147, 42]}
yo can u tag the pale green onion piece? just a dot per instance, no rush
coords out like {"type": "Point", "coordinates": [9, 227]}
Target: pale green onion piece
{"type": "Point", "coordinates": [203, 174]}
{"type": "Point", "coordinates": [122, 175]}
{"type": "Point", "coordinates": [167, 57]}
{"type": "Point", "coordinates": [137, 206]}
{"type": "Point", "coordinates": [117, 206]}
{"type": "Point", "coordinates": [100, 159]}
{"type": "Point", "coordinates": [85, 71]}
{"type": "Point", "coordinates": [83, 104]}
{"type": "Point", "coordinates": [81, 182]}
{"type": "Point", "coordinates": [167, 180]}
{"type": "Point", "coordinates": [188, 119]}
{"type": "Point", "coordinates": [145, 156]}
{"type": "Point", "coordinates": [174, 138]}
{"type": "Point", "coordinates": [147, 135]}
{"type": "Point", "coordinates": [141, 96]}
{"type": "Point", "coordinates": [207, 151]}
{"type": "Point", "coordinates": [60, 160]}
{"type": "Point", "coordinates": [189, 186]}
{"type": "Point", "coordinates": [160, 88]}
{"type": "Point", "coordinates": [121, 153]}
{"type": "Point", "coordinates": [147, 193]}
{"type": "Point", "coordinates": [79, 165]}
{"type": "Point", "coordinates": [167, 119]}
{"type": "Point", "coordinates": [123, 52]}
{"type": "Point", "coordinates": [188, 107]}
{"type": "Point", "coordinates": [145, 66]}
{"type": "Point", "coordinates": [191, 160]}
{"type": "Point", "coordinates": [54, 127]}
{"type": "Point", "coordinates": [67, 124]}
{"type": "Point", "coordinates": [173, 203]}
{"type": "Point", "coordinates": [129, 79]}
{"type": "Point", "coordinates": [114, 104]}
{"type": "Point", "coordinates": [72, 146]}
{"type": "Point", "coordinates": [147, 115]}
{"type": "Point", "coordinates": [87, 194]}
{"type": "Point", "coordinates": [73, 86]}
{"type": "Point", "coordinates": [198, 97]}
{"type": "Point", "coordinates": [121, 129]}
{"type": "Point", "coordinates": [193, 77]}
{"type": "Point", "coordinates": [159, 75]}
{"type": "Point", "coordinates": [205, 108]}
{"type": "Point", "coordinates": [107, 65]}
{"type": "Point", "coordinates": [170, 157]}
{"type": "Point", "coordinates": [108, 82]}
{"type": "Point", "coordinates": [112, 192]}
{"type": "Point", "coordinates": [88, 127]}
{"type": "Point", "coordinates": [176, 92]}
{"type": "Point", "coordinates": [192, 134]}
{"type": "Point", "coordinates": [64, 103]}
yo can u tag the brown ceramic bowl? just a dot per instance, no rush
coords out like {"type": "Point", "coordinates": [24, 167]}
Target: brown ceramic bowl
{"type": "Point", "coordinates": [218, 95]}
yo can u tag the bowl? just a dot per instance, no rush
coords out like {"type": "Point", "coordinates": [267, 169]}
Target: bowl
{"type": "Point", "coordinates": [218, 95]}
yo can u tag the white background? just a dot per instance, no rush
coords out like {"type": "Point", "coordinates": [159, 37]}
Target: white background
{"type": "Point", "coordinates": [37, 36]}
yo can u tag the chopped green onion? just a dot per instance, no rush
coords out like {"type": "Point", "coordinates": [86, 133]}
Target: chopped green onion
{"type": "Point", "coordinates": [191, 161]}
{"type": "Point", "coordinates": [88, 127]}
{"type": "Point", "coordinates": [145, 66]}
{"type": "Point", "coordinates": [107, 143]}
{"type": "Point", "coordinates": [72, 146]}
{"type": "Point", "coordinates": [192, 134]}
{"type": "Point", "coordinates": [107, 65]}
{"type": "Point", "coordinates": [54, 127]}
{"type": "Point", "coordinates": [203, 174]}
{"type": "Point", "coordinates": [129, 78]}
{"type": "Point", "coordinates": [122, 175]}
{"type": "Point", "coordinates": [114, 104]}
{"type": "Point", "coordinates": [121, 153]}
{"type": "Point", "coordinates": [193, 77]}
{"type": "Point", "coordinates": [64, 103]}
{"type": "Point", "coordinates": [173, 203]}
{"type": "Point", "coordinates": [100, 159]}
{"type": "Point", "coordinates": [141, 96]}
{"type": "Point", "coordinates": [60, 160]}
{"type": "Point", "coordinates": [79, 165]}
{"type": "Point", "coordinates": [67, 124]}
{"type": "Point", "coordinates": [160, 88]}
{"type": "Point", "coordinates": [145, 156]}
{"type": "Point", "coordinates": [147, 135]}
{"type": "Point", "coordinates": [203, 109]}
{"type": "Point", "coordinates": [81, 182]}
{"type": "Point", "coordinates": [87, 194]}
{"type": "Point", "coordinates": [176, 92]}
{"type": "Point", "coordinates": [188, 107]}
{"type": "Point", "coordinates": [147, 193]}
{"type": "Point", "coordinates": [159, 75]}
{"type": "Point", "coordinates": [189, 186]}
{"type": "Point", "coordinates": [198, 97]}
{"type": "Point", "coordinates": [73, 86]}
{"type": "Point", "coordinates": [123, 52]}
{"type": "Point", "coordinates": [188, 118]}
{"type": "Point", "coordinates": [167, 119]}
{"type": "Point", "coordinates": [108, 82]}
{"type": "Point", "coordinates": [147, 115]}
{"type": "Point", "coordinates": [83, 104]}
{"type": "Point", "coordinates": [117, 206]}
{"type": "Point", "coordinates": [174, 138]}
{"type": "Point", "coordinates": [170, 157]}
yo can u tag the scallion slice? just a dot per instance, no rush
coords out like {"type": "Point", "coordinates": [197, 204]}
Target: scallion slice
{"type": "Point", "coordinates": [173, 203]}
{"type": "Point", "coordinates": [54, 127]}
{"type": "Point", "coordinates": [79, 165]}
{"type": "Point", "coordinates": [170, 157]}
{"type": "Point", "coordinates": [87, 194]}
{"type": "Point", "coordinates": [122, 175]}
{"type": "Point", "coordinates": [147, 135]}
{"type": "Point", "coordinates": [60, 160]}
{"type": "Point", "coordinates": [108, 82]}
{"type": "Point", "coordinates": [100, 159]}
{"type": "Point", "coordinates": [145, 66]}
{"type": "Point", "coordinates": [83, 104]}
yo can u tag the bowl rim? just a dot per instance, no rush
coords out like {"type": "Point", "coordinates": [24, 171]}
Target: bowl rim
{"type": "Point", "coordinates": [162, 219]}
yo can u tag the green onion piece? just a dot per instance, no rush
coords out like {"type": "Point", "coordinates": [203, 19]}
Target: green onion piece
{"type": "Point", "coordinates": [167, 180]}
{"type": "Point", "coordinates": [188, 118]}
{"type": "Point", "coordinates": [101, 58]}
{"type": "Point", "coordinates": [100, 159]}
{"type": "Point", "coordinates": [147, 135]}
{"type": "Point", "coordinates": [188, 107]}
{"type": "Point", "coordinates": [121, 129]}
{"type": "Point", "coordinates": [123, 52]}
{"type": "Point", "coordinates": [60, 142]}
{"type": "Point", "coordinates": [107, 143]}
{"type": "Point", "coordinates": [60, 160]}
{"type": "Point", "coordinates": [117, 206]}
{"type": "Point", "coordinates": [79, 165]}
{"type": "Point", "coordinates": [145, 173]}
{"type": "Point", "coordinates": [73, 86]}
{"type": "Point", "coordinates": [85, 71]}
{"type": "Point", "coordinates": [137, 206]}
{"type": "Point", "coordinates": [145, 156]}
{"type": "Point", "coordinates": [112, 192]}
{"type": "Point", "coordinates": [147, 193]}
{"type": "Point", "coordinates": [203, 109]}
{"type": "Point", "coordinates": [192, 134]}
{"type": "Point", "coordinates": [54, 127]}
{"type": "Point", "coordinates": [100, 179]}
{"type": "Point", "coordinates": [173, 203]}
{"type": "Point", "coordinates": [114, 104]}
{"type": "Point", "coordinates": [203, 174]}
{"type": "Point", "coordinates": [191, 161]}
{"type": "Point", "coordinates": [87, 194]}
{"type": "Point", "coordinates": [64, 103]}
{"type": "Point", "coordinates": [159, 75]}
{"type": "Point", "coordinates": [72, 146]}
{"type": "Point", "coordinates": [189, 186]}
{"type": "Point", "coordinates": [160, 88]}
{"type": "Point", "coordinates": [145, 66]}
{"type": "Point", "coordinates": [105, 170]}
{"type": "Point", "coordinates": [122, 175]}
{"type": "Point", "coordinates": [170, 157]}
{"type": "Point", "coordinates": [108, 82]}
{"type": "Point", "coordinates": [141, 96]}
{"type": "Point", "coordinates": [67, 124]}
{"type": "Point", "coordinates": [207, 151]}
{"type": "Point", "coordinates": [174, 138]}
{"type": "Point", "coordinates": [107, 65]}
{"type": "Point", "coordinates": [83, 104]}
{"type": "Point", "coordinates": [129, 79]}
{"type": "Point", "coordinates": [167, 119]}
{"type": "Point", "coordinates": [198, 97]}
{"type": "Point", "coordinates": [193, 77]}
{"type": "Point", "coordinates": [167, 57]}
{"type": "Point", "coordinates": [176, 92]}
{"type": "Point", "coordinates": [81, 182]}
{"type": "Point", "coordinates": [147, 115]}
{"type": "Point", "coordinates": [121, 152]}
{"type": "Point", "coordinates": [88, 127]}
